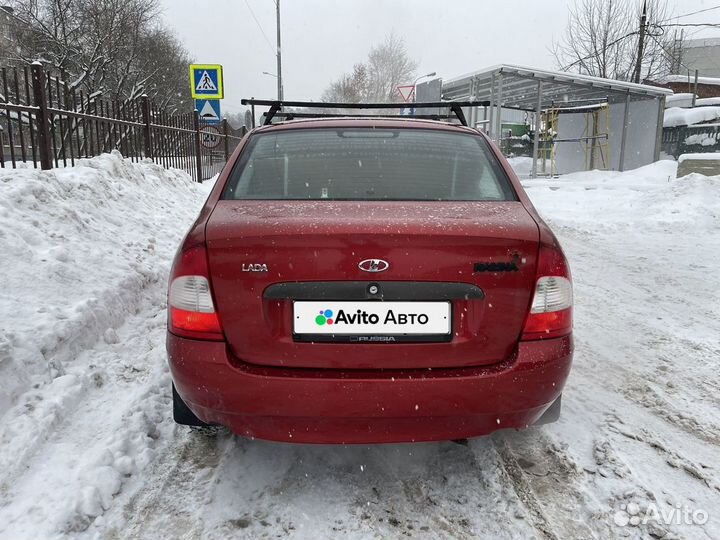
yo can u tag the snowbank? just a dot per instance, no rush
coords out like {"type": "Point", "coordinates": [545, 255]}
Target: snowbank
{"type": "Point", "coordinates": [649, 198]}
{"type": "Point", "coordinates": [676, 116]}
{"type": "Point", "coordinates": [79, 247]}
{"type": "Point", "coordinates": [521, 165]}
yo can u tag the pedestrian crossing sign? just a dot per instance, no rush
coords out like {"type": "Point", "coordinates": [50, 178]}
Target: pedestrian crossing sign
{"type": "Point", "coordinates": [206, 81]}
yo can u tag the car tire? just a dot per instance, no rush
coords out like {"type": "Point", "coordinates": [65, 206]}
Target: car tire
{"type": "Point", "coordinates": [182, 413]}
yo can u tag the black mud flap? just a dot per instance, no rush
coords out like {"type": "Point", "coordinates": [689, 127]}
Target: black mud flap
{"type": "Point", "coordinates": [552, 414]}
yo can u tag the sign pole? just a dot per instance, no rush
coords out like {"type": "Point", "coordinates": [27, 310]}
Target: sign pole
{"type": "Point", "coordinates": [227, 144]}
{"type": "Point", "coordinates": [198, 146]}
{"type": "Point", "coordinates": [279, 55]}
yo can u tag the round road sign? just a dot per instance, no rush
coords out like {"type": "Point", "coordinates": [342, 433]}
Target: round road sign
{"type": "Point", "coordinates": [210, 137]}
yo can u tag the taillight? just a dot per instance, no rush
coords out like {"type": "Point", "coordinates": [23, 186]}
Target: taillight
{"type": "Point", "coordinates": [191, 312]}
{"type": "Point", "coordinates": [551, 309]}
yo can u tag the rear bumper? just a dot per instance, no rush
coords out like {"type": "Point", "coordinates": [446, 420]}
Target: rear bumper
{"type": "Point", "coordinates": [329, 406]}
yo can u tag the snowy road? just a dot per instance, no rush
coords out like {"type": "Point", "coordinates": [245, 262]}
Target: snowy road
{"type": "Point", "coordinates": [92, 453]}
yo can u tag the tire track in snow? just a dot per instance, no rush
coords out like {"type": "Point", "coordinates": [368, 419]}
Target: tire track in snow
{"type": "Point", "coordinates": [41, 412]}
{"type": "Point", "coordinates": [104, 440]}
{"type": "Point", "coordinates": [524, 491]}
{"type": "Point", "coordinates": [648, 375]}
{"type": "Point", "coordinates": [170, 502]}
{"type": "Point", "coordinates": [430, 490]}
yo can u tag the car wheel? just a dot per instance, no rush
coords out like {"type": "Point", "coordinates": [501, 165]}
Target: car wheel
{"type": "Point", "coordinates": [182, 413]}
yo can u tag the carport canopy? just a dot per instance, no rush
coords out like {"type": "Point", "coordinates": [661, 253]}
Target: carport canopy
{"type": "Point", "coordinates": [529, 89]}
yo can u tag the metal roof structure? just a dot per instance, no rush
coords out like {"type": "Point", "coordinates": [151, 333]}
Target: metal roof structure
{"type": "Point", "coordinates": [507, 86]}
{"type": "Point", "coordinates": [517, 87]}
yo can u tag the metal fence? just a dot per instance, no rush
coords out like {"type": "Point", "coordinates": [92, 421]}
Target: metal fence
{"type": "Point", "coordinates": [47, 123]}
{"type": "Point", "coordinates": [691, 139]}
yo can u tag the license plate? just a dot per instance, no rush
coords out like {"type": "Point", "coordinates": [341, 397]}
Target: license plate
{"type": "Point", "coordinates": [371, 318]}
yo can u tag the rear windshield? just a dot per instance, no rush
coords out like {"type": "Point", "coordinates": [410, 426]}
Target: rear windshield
{"type": "Point", "coordinates": [368, 164]}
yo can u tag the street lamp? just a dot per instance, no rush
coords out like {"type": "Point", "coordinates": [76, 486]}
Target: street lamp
{"type": "Point", "coordinates": [432, 74]}
{"type": "Point", "coordinates": [268, 73]}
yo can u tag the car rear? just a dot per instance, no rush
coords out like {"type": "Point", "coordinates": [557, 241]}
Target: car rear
{"type": "Point", "coordinates": [369, 281]}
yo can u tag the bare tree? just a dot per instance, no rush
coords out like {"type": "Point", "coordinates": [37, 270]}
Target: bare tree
{"type": "Point", "coordinates": [602, 39]}
{"type": "Point", "coordinates": [349, 88]}
{"type": "Point", "coordinates": [109, 47]}
{"type": "Point", "coordinates": [388, 66]}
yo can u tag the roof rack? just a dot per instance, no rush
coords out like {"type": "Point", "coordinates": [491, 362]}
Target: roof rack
{"type": "Point", "coordinates": [277, 106]}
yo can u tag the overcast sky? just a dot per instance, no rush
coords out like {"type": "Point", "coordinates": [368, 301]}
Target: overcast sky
{"type": "Point", "coordinates": [321, 39]}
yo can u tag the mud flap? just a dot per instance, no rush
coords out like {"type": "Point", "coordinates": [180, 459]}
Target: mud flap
{"type": "Point", "coordinates": [551, 414]}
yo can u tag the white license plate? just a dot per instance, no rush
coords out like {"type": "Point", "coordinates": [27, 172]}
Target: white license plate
{"type": "Point", "coordinates": [371, 318]}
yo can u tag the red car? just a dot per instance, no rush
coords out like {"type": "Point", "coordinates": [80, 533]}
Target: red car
{"type": "Point", "coordinates": [368, 280]}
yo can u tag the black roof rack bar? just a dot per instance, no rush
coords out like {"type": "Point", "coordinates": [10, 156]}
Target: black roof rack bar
{"type": "Point", "coordinates": [292, 115]}
{"type": "Point", "coordinates": [276, 106]}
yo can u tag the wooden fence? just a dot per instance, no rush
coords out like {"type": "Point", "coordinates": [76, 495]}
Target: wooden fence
{"type": "Point", "coordinates": [47, 123]}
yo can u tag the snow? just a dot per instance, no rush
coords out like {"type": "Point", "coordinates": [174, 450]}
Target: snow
{"type": "Point", "coordinates": [711, 156]}
{"type": "Point", "coordinates": [88, 449]}
{"type": "Point", "coordinates": [703, 139]}
{"type": "Point", "coordinates": [707, 101]}
{"type": "Point", "coordinates": [676, 116]}
{"type": "Point", "coordinates": [679, 100]}
{"type": "Point", "coordinates": [690, 79]}
{"type": "Point", "coordinates": [522, 165]}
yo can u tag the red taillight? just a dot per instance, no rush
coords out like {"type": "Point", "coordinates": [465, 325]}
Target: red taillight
{"type": "Point", "coordinates": [551, 309]}
{"type": "Point", "coordinates": [191, 312]}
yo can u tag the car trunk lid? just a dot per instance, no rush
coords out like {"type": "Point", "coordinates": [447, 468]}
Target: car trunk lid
{"type": "Point", "coordinates": [258, 247]}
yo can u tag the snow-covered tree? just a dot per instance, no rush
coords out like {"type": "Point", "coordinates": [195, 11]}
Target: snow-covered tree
{"type": "Point", "coordinates": [112, 47]}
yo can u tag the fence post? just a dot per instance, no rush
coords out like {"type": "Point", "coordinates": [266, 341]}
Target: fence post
{"type": "Point", "coordinates": [227, 142]}
{"type": "Point", "coordinates": [147, 130]}
{"type": "Point", "coordinates": [42, 118]}
{"type": "Point", "coordinates": [198, 146]}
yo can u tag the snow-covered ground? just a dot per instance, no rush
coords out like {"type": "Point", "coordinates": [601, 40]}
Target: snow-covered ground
{"type": "Point", "coordinates": [88, 449]}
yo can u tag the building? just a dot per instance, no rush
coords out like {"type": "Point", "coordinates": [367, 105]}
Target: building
{"type": "Point", "coordinates": [707, 87]}
{"type": "Point", "coordinates": [699, 54]}
{"type": "Point", "coordinates": [7, 32]}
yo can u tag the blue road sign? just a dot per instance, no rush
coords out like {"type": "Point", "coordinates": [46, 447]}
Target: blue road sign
{"type": "Point", "coordinates": [209, 110]}
{"type": "Point", "coordinates": [206, 81]}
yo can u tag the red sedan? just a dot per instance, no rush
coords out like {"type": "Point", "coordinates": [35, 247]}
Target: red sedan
{"type": "Point", "coordinates": [366, 280]}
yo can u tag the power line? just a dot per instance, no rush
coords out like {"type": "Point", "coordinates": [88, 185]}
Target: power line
{"type": "Point", "coordinates": [688, 14]}
{"type": "Point", "coordinates": [713, 25]}
{"type": "Point", "coordinates": [267, 40]}
{"type": "Point", "coordinates": [594, 55]}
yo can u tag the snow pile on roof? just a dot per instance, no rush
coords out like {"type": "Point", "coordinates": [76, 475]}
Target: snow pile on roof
{"type": "Point", "coordinates": [675, 116]}
{"type": "Point", "coordinates": [79, 246]}
{"type": "Point", "coordinates": [679, 100]}
{"type": "Point", "coordinates": [649, 197]}
{"type": "Point", "coordinates": [701, 102]}
{"type": "Point", "coordinates": [689, 79]}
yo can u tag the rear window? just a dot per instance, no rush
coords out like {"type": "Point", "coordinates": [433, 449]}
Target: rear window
{"type": "Point", "coordinates": [367, 164]}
